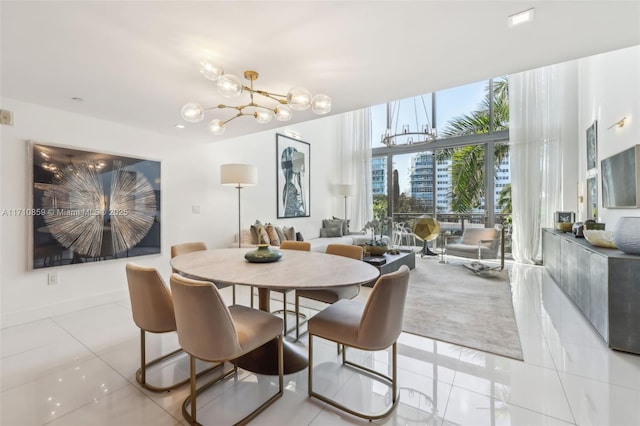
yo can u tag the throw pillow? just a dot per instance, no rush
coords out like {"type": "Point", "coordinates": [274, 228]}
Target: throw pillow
{"type": "Point", "coordinates": [345, 225]}
{"type": "Point", "coordinates": [331, 232]}
{"type": "Point", "coordinates": [281, 236]}
{"type": "Point", "coordinates": [259, 234]}
{"type": "Point", "coordinates": [254, 232]}
{"type": "Point", "coordinates": [274, 240]}
{"type": "Point", "coordinates": [299, 236]}
{"type": "Point", "coordinates": [289, 233]}
{"type": "Point", "coordinates": [333, 223]}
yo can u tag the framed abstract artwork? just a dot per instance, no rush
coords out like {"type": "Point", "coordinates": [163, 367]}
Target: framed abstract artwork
{"type": "Point", "coordinates": [293, 177]}
{"type": "Point", "coordinates": [592, 146]}
{"type": "Point", "coordinates": [90, 206]}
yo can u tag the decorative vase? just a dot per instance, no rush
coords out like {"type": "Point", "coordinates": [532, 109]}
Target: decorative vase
{"type": "Point", "coordinates": [376, 250]}
{"type": "Point", "coordinates": [263, 254]}
{"type": "Point", "coordinates": [626, 234]}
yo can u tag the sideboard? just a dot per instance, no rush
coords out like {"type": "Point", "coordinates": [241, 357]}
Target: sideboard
{"type": "Point", "coordinates": [603, 283]}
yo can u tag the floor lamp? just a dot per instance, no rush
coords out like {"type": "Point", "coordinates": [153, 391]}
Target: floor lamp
{"type": "Point", "coordinates": [345, 190]}
{"type": "Point", "coordinates": [238, 175]}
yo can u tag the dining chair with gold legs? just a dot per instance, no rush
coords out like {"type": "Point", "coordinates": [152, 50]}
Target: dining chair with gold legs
{"type": "Point", "coordinates": [210, 331]}
{"type": "Point", "coordinates": [185, 248]}
{"type": "Point", "coordinates": [291, 245]}
{"type": "Point", "coordinates": [331, 295]}
{"type": "Point", "coordinates": [372, 326]}
{"type": "Point", "coordinates": [152, 309]}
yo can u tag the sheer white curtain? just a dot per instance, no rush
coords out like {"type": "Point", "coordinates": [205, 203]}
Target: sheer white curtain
{"type": "Point", "coordinates": [535, 99]}
{"type": "Point", "coordinates": [356, 166]}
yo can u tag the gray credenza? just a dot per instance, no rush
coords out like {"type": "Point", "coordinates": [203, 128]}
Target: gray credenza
{"type": "Point", "coordinates": [603, 283]}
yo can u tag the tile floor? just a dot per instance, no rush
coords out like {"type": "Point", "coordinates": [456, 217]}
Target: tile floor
{"type": "Point", "coordinates": [78, 369]}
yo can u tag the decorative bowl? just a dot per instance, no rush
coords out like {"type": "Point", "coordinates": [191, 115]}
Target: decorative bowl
{"type": "Point", "coordinates": [263, 254]}
{"type": "Point", "coordinates": [564, 226]}
{"type": "Point", "coordinates": [599, 238]}
{"type": "Point", "coordinates": [626, 234]}
{"type": "Point", "coordinates": [376, 250]}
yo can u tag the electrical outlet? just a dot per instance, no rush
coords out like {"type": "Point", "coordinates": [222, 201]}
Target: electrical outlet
{"type": "Point", "coordinates": [52, 278]}
{"type": "Point", "coordinates": [6, 117]}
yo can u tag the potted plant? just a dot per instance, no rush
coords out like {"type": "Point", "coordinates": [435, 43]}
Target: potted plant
{"type": "Point", "coordinates": [376, 246]}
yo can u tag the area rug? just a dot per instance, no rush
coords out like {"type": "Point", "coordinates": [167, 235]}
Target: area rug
{"type": "Point", "coordinates": [448, 302]}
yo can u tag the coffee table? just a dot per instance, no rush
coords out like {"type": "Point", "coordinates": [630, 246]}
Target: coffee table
{"type": "Point", "coordinates": [394, 262]}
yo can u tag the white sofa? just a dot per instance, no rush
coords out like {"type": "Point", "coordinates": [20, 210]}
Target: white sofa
{"type": "Point", "coordinates": [319, 244]}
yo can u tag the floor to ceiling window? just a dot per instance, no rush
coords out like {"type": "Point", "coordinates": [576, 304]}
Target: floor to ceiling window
{"type": "Point", "coordinates": [429, 157]}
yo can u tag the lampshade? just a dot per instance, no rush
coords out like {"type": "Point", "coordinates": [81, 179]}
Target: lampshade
{"type": "Point", "coordinates": [238, 174]}
{"type": "Point", "coordinates": [345, 190]}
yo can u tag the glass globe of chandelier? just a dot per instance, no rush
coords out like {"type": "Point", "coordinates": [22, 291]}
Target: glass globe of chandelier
{"type": "Point", "coordinates": [270, 104]}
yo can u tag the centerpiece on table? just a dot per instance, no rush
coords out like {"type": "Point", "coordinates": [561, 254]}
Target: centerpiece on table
{"type": "Point", "coordinates": [376, 246]}
{"type": "Point", "coordinates": [264, 253]}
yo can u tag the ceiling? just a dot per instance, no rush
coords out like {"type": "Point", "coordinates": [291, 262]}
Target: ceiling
{"type": "Point", "coordinates": [136, 62]}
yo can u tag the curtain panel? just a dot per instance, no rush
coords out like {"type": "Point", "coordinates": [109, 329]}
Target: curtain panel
{"type": "Point", "coordinates": [535, 119]}
{"type": "Point", "coordinates": [356, 166]}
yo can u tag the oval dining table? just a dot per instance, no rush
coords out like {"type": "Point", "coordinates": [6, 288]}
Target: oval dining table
{"type": "Point", "coordinates": [296, 270]}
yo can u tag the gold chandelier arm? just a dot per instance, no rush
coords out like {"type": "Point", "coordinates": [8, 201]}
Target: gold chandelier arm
{"type": "Point", "coordinates": [282, 99]}
{"type": "Point", "coordinates": [239, 114]}
{"type": "Point", "coordinates": [274, 96]}
{"type": "Point", "coordinates": [240, 108]}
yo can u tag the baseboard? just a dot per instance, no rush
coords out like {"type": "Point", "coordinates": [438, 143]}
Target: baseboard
{"type": "Point", "coordinates": [35, 314]}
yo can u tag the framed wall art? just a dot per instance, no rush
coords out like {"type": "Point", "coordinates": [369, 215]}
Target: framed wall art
{"type": "Point", "coordinates": [592, 146]}
{"type": "Point", "coordinates": [565, 217]}
{"type": "Point", "coordinates": [293, 177]}
{"type": "Point", "coordinates": [621, 179]}
{"type": "Point", "coordinates": [89, 206]}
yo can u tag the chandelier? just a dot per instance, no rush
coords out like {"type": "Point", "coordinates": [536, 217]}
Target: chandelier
{"type": "Point", "coordinates": [421, 133]}
{"type": "Point", "coordinates": [267, 106]}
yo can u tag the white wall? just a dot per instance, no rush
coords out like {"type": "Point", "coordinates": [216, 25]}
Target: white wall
{"type": "Point", "coordinates": [569, 135]}
{"type": "Point", "coordinates": [190, 176]}
{"type": "Point", "coordinates": [609, 89]}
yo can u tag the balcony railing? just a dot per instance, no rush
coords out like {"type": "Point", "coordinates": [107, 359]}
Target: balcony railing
{"type": "Point", "coordinates": [455, 223]}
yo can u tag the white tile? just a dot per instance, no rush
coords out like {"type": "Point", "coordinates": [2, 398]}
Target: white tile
{"type": "Point", "coordinates": [27, 366]}
{"type": "Point", "coordinates": [526, 385]}
{"type": "Point", "coordinates": [127, 406]}
{"type": "Point", "coordinates": [598, 363]}
{"type": "Point", "coordinates": [59, 393]}
{"type": "Point", "coordinates": [101, 327]}
{"type": "Point", "coordinates": [294, 406]}
{"type": "Point", "coordinates": [25, 337]}
{"type": "Point", "coordinates": [535, 350]}
{"type": "Point", "coordinates": [469, 408]}
{"type": "Point", "coordinates": [598, 403]}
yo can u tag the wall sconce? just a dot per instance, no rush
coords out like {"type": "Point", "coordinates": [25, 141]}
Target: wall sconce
{"type": "Point", "coordinates": [619, 123]}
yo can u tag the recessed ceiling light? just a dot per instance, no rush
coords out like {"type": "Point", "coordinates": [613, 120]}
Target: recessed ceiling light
{"type": "Point", "coordinates": [180, 126]}
{"type": "Point", "coordinates": [521, 17]}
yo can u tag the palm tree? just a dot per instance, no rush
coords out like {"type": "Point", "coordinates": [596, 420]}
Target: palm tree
{"type": "Point", "coordinates": [504, 200]}
{"type": "Point", "coordinates": [468, 161]}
